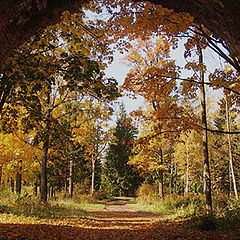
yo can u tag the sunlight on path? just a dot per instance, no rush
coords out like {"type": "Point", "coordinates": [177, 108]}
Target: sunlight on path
{"type": "Point", "coordinates": [119, 223]}
{"type": "Point", "coordinates": [121, 217]}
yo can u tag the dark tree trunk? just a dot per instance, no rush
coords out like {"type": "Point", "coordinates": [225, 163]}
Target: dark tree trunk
{"type": "Point", "coordinates": [52, 191]}
{"type": "Point", "coordinates": [0, 175]}
{"type": "Point", "coordinates": [35, 189]}
{"type": "Point", "coordinates": [71, 178]}
{"type": "Point", "coordinates": [207, 177]}
{"type": "Point", "coordinates": [172, 177]}
{"type": "Point", "coordinates": [65, 190]}
{"type": "Point", "coordinates": [12, 185]}
{"type": "Point", "coordinates": [18, 182]}
{"type": "Point", "coordinates": [45, 152]}
{"type": "Point", "coordinates": [175, 177]}
{"type": "Point", "coordinates": [44, 169]}
{"type": "Point", "coordinates": [93, 175]}
{"type": "Point", "coordinates": [160, 175]}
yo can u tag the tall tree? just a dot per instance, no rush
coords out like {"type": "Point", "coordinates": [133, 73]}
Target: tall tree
{"type": "Point", "coordinates": [54, 73]}
{"type": "Point", "coordinates": [118, 177]}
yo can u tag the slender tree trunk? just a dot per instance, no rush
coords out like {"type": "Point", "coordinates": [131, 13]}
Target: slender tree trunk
{"type": "Point", "coordinates": [65, 190]}
{"type": "Point", "coordinates": [230, 152]}
{"type": "Point", "coordinates": [93, 175]}
{"type": "Point", "coordinates": [172, 178]}
{"type": "Point", "coordinates": [187, 177]}
{"type": "Point", "coordinates": [160, 182]}
{"type": "Point", "coordinates": [70, 171]}
{"type": "Point", "coordinates": [0, 175]}
{"type": "Point", "coordinates": [44, 169]}
{"type": "Point", "coordinates": [35, 188]}
{"type": "Point", "coordinates": [52, 191]}
{"type": "Point", "coordinates": [12, 185]}
{"type": "Point", "coordinates": [45, 152]}
{"type": "Point", "coordinates": [207, 177]}
{"type": "Point", "coordinates": [230, 182]}
{"type": "Point", "coordinates": [175, 177]}
{"type": "Point", "coordinates": [70, 178]}
{"type": "Point", "coordinates": [18, 182]}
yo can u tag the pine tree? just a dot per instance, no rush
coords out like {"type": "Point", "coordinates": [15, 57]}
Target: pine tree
{"type": "Point", "coordinates": [119, 178]}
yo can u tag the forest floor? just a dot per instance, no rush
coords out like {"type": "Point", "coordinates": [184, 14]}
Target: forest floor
{"type": "Point", "coordinates": [118, 221]}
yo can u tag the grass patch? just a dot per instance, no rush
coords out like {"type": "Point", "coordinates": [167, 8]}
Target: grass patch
{"type": "Point", "coordinates": [176, 206]}
{"type": "Point", "coordinates": [71, 204]}
{"type": "Point", "coordinates": [29, 206]}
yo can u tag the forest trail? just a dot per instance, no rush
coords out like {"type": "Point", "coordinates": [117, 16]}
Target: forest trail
{"type": "Point", "coordinates": [117, 222]}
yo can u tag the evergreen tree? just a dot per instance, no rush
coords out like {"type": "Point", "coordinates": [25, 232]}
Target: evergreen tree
{"type": "Point", "coordinates": [119, 178]}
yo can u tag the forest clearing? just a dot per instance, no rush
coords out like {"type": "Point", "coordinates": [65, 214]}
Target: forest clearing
{"type": "Point", "coordinates": [78, 161]}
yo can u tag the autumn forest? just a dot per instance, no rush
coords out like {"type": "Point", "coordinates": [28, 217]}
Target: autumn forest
{"type": "Point", "coordinates": [75, 163]}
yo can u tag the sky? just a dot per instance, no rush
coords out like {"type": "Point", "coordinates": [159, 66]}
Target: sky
{"type": "Point", "coordinates": [118, 70]}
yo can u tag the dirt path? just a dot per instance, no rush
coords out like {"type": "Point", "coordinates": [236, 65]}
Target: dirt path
{"type": "Point", "coordinates": [116, 222]}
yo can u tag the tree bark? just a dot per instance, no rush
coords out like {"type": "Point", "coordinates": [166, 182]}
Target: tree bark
{"type": "Point", "coordinates": [175, 177]}
{"type": "Point", "coordinates": [0, 175]}
{"type": "Point", "coordinates": [44, 169]}
{"type": "Point", "coordinates": [93, 175]}
{"type": "Point", "coordinates": [230, 152]}
{"type": "Point", "coordinates": [12, 185]}
{"type": "Point", "coordinates": [65, 190]}
{"type": "Point", "coordinates": [160, 181]}
{"type": "Point", "coordinates": [19, 177]}
{"type": "Point", "coordinates": [18, 182]}
{"type": "Point", "coordinates": [45, 152]}
{"type": "Point", "coordinates": [207, 177]}
{"type": "Point", "coordinates": [52, 191]}
{"type": "Point", "coordinates": [70, 178]}
{"type": "Point", "coordinates": [35, 188]}
{"type": "Point", "coordinates": [172, 178]}
{"type": "Point", "coordinates": [187, 177]}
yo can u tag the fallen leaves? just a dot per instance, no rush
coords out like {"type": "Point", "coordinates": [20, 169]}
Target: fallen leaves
{"type": "Point", "coordinates": [117, 225]}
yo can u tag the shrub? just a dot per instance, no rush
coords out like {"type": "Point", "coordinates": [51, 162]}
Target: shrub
{"type": "Point", "coordinates": [204, 223]}
{"type": "Point", "coordinates": [147, 194]}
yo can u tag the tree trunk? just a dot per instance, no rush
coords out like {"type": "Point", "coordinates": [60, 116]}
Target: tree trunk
{"type": "Point", "coordinates": [187, 177]}
{"type": "Point", "coordinates": [18, 182]}
{"type": "Point", "coordinates": [45, 152]}
{"type": "Point", "coordinates": [93, 175]}
{"type": "Point", "coordinates": [44, 169]}
{"type": "Point", "coordinates": [52, 191]}
{"type": "Point", "coordinates": [207, 177]}
{"type": "Point", "coordinates": [160, 182]}
{"type": "Point", "coordinates": [70, 178]}
{"type": "Point", "coordinates": [35, 189]}
{"type": "Point", "coordinates": [230, 182]}
{"type": "Point", "coordinates": [65, 190]}
{"type": "Point", "coordinates": [12, 185]}
{"type": "Point", "coordinates": [172, 178]}
{"type": "Point", "coordinates": [230, 152]}
{"type": "Point", "coordinates": [175, 177]}
{"type": "Point", "coordinates": [0, 175]}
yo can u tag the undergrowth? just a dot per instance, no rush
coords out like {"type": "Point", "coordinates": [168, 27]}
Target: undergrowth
{"type": "Point", "coordinates": [28, 205]}
{"type": "Point", "coordinates": [191, 208]}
